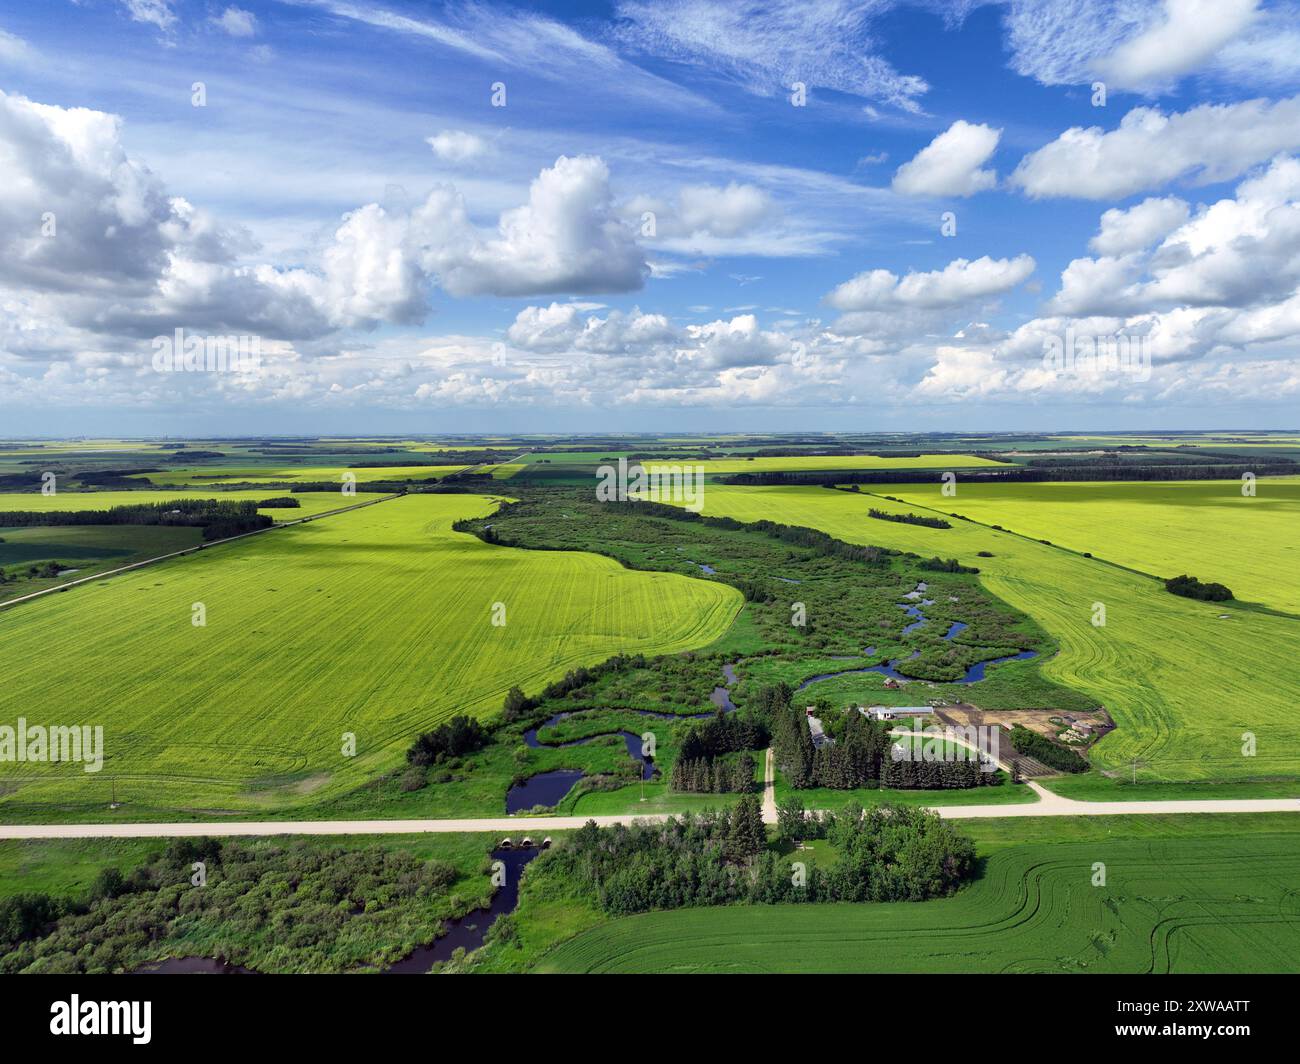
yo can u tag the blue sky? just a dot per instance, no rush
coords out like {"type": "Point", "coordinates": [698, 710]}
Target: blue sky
{"type": "Point", "coordinates": [650, 234]}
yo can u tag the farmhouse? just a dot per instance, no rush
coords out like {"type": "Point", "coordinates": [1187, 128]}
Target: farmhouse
{"type": "Point", "coordinates": [819, 736]}
{"type": "Point", "coordinates": [894, 712]}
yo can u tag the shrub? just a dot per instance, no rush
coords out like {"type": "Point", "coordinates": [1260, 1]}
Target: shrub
{"type": "Point", "coordinates": [1191, 587]}
{"type": "Point", "coordinates": [460, 735]}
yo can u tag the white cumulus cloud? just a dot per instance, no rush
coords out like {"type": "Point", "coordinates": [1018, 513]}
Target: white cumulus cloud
{"type": "Point", "coordinates": [1187, 33]}
{"type": "Point", "coordinates": [1212, 142]}
{"type": "Point", "coordinates": [961, 281]}
{"type": "Point", "coordinates": [950, 165]}
{"type": "Point", "coordinates": [1138, 227]}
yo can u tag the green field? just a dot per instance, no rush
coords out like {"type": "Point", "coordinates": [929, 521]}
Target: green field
{"type": "Point", "coordinates": [1183, 684]}
{"type": "Point", "coordinates": [87, 550]}
{"type": "Point", "coordinates": [1205, 527]}
{"type": "Point", "coordinates": [84, 549]}
{"type": "Point", "coordinates": [823, 463]}
{"type": "Point", "coordinates": [375, 622]}
{"type": "Point", "coordinates": [239, 474]}
{"type": "Point", "coordinates": [310, 503]}
{"type": "Point", "coordinates": [507, 470]}
{"type": "Point", "coordinates": [1190, 894]}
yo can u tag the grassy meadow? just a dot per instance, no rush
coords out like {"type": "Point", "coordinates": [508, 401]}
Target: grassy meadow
{"type": "Point", "coordinates": [1184, 680]}
{"type": "Point", "coordinates": [377, 622]}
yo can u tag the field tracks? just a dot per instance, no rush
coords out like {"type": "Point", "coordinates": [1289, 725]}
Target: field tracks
{"type": "Point", "coordinates": [193, 550]}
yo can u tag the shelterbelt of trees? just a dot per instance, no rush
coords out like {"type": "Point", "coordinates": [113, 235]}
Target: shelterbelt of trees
{"type": "Point", "coordinates": [217, 518]}
{"type": "Point", "coordinates": [891, 853]}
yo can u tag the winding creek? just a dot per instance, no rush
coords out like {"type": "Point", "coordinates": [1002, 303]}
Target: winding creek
{"type": "Point", "coordinates": [470, 930]}
{"type": "Point", "coordinates": [549, 788]}
{"type": "Point", "coordinates": [973, 674]}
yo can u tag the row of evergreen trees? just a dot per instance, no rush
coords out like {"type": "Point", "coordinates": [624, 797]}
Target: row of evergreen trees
{"type": "Point", "coordinates": [702, 766]}
{"type": "Point", "coordinates": [715, 776]}
{"type": "Point", "coordinates": [909, 774]}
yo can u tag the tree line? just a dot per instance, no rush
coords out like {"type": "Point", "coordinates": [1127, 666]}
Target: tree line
{"type": "Point", "coordinates": [218, 519]}
{"type": "Point", "coordinates": [704, 775]}
{"type": "Point", "coordinates": [909, 519]}
{"type": "Point", "coordinates": [891, 853]}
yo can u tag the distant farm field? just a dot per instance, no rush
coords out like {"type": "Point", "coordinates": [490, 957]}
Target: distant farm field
{"type": "Point", "coordinates": [1205, 527]}
{"type": "Point", "coordinates": [238, 474]}
{"type": "Point", "coordinates": [309, 502]}
{"type": "Point", "coordinates": [821, 463]}
{"type": "Point", "coordinates": [1214, 903]}
{"type": "Point", "coordinates": [1185, 681]}
{"type": "Point", "coordinates": [376, 623]}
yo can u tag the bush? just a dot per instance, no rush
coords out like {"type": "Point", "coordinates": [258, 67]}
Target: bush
{"type": "Point", "coordinates": [940, 565]}
{"type": "Point", "coordinates": [460, 735]}
{"type": "Point", "coordinates": [1191, 587]}
{"type": "Point", "coordinates": [108, 884]}
{"type": "Point", "coordinates": [516, 705]}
